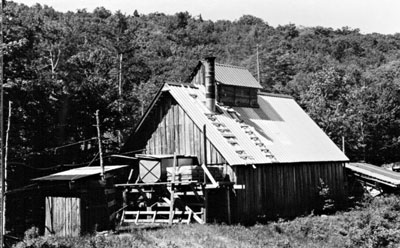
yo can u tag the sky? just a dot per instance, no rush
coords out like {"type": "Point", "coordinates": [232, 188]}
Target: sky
{"type": "Point", "coordinates": [370, 16]}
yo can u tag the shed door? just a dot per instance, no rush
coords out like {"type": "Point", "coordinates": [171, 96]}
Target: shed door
{"type": "Point", "coordinates": [63, 216]}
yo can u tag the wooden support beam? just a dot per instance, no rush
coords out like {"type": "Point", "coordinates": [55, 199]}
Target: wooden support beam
{"type": "Point", "coordinates": [205, 150]}
{"type": "Point", "coordinates": [228, 203]}
{"type": "Point", "coordinates": [135, 185]}
{"type": "Point", "coordinates": [209, 175]}
{"type": "Point", "coordinates": [171, 207]}
{"type": "Point", "coordinates": [205, 215]}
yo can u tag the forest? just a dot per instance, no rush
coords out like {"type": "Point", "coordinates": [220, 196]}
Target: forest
{"type": "Point", "coordinates": [59, 68]}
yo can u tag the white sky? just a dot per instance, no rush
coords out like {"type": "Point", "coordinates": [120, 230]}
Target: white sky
{"type": "Point", "coordinates": [381, 16]}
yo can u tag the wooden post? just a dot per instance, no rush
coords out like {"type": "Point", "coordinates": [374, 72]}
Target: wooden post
{"type": "Point", "coordinates": [258, 67]}
{"type": "Point", "coordinates": [343, 145]}
{"type": "Point", "coordinates": [205, 150]}
{"type": "Point", "coordinates": [5, 165]}
{"type": "Point", "coordinates": [6, 143]}
{"type": "Point", "coordinates": [171, 207]}
{"type": "Point", "coordinates": [205, 205]}
{"type": "Point", "coordinates": [99, 141]}
{"type": "Point", "coordinates": [120, 97]}
{"type": "Point", "coordinates": [2, 220]}
{"type": "Point", "coordinates": [120, 79]}
{"type": "Point", "coordinates": [228, 202]}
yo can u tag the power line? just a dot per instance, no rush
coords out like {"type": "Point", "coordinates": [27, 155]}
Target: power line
{"type": "Point", "coordinates": [71, 144]}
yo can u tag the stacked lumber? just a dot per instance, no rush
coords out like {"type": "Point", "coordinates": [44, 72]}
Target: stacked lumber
{"type": "Point", "coordinates": [192, 173]}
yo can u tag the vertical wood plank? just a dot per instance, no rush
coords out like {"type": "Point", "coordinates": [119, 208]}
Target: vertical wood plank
{"type": "Point", "coordinates": [181, 131]}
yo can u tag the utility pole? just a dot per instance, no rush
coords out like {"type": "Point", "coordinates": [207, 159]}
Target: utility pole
{"type": "Point", "coordinates": [99, 141]}
{"type": "Point", "coordinates": [120, 97]}
{"type": "Point", "coordinates": [120, 77]}
{"type": "Point", "coordinates": [258, 66]}
{"type": "Point", "coordinates": [2, 219]}
{"type": "Point", "coordinates": [5, 164]}
{"type": "Point", "coordinates": [343, 145]}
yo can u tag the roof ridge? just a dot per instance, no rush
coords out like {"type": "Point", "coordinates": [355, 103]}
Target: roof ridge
{"type": "Point", "coordinates": [190, 85]}
{"type": "Point", "coordinates": [232, 66]}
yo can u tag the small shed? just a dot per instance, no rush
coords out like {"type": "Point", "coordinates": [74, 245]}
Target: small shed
{"type": "Point", "coordinates": [79, 201]}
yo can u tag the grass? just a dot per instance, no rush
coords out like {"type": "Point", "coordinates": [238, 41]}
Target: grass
{"type": "Point", "coordinates": [375, 223]}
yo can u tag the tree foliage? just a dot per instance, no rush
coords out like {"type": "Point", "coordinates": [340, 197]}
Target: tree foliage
{"type": "Point", "coordinates": [60, 67]}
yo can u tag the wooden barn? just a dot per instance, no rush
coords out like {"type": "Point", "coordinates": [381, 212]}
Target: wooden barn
{"type": "Point", "coordinates": [79, 201]}
{"type": "Point", "coordinates": [276, 156]}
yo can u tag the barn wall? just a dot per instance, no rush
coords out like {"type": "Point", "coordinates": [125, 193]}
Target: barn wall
{"type": "Point", "coordinates": [169, 129]}
{"type": "Point", "coordinates": [285, 190]}
{"type": "Point", "coordinates": [273, 190]}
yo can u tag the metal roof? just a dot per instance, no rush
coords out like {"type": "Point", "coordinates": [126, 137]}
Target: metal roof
{"type": "Point", "coordinates": [78, 173]}
{"type": "Point", "coordinates": [229, 75]}
{"type": "Point", "coordinates": [279, 131]}
{"type": "Point", "coordinates": [293, 135]}
{"type": "Point", "coordinates": [375, 173]}
{"type": "Point", "coordinates": [235, 76]}
{"type": "Point", "coordinates": [160, 156]}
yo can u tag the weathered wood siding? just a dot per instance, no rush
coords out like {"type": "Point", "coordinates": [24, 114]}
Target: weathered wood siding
{"type": "Point", "coordinates": [285, 190]}
{"type": "Point", "coordinates": [271, 190]}
{"type": "Point", "coordinates": [63, 216]}
{"type": "Point", "coordinates": [169, 129]}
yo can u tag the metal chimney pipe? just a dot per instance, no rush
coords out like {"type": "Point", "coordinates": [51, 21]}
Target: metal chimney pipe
{"type": "Point", "coordinates": [210, 83]}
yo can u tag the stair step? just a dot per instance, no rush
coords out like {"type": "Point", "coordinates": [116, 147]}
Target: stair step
{"type": "Point", "coordinates": [228, 135]}
{"type": "Point", "coordinates": [223, 129]}
{"type": "Point", "coordinates": [189, 193]}
{"type": "Point", "coordinates": [232, 142]}
{"type": "Point", "coordinates": [139, 217]}
{"type": "Point", "coordinates": [246, 157]}
{"type": "Point", "coordinates": [143, 191]}
{"type": "Point", "coordinates": [162, 204]}
{"type": "Point", "coordinates": [259, 143]}
{"type": "Point", "coordinates": [218, 124]}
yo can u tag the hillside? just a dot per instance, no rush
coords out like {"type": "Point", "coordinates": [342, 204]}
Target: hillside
{"type": "Point", "coordinates": [59, 68]}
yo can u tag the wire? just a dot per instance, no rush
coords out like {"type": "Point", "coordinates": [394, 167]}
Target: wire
{"type": "Point", "coordinates": [144, 149]}
{"type": "Point", "coordinates": [71, 144]}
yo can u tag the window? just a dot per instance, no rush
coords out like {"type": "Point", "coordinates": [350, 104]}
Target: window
{"type": "Point", "coordinates": [237, 96]}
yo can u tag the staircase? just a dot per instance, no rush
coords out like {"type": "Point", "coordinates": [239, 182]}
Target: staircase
{"type": "Point", "coordinates": [249, 130]}
{"type": "Point", "coordinates": [188, 206]}
{"type": "Point", "coordinates": [229, 136]}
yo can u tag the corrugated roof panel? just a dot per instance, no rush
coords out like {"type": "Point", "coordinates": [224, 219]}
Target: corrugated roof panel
{"type": "Point", "coordinates": [78, 173]}
{"type": "Point", "coordinates": [295, 136]}
{"type": "Point", "coordinates": [235, 76]}
{"type": "Point", "coordinates": [279, 124]}
{"type": "Point", "coordinates": [375, 173]}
